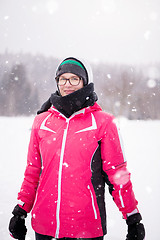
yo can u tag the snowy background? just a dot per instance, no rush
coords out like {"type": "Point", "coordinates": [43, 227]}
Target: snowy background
{"type": "Point", "coordinates": [123, 31]}
{"type": "Point", "coordinates": [142, 147]}
{"type": "Point", "coordinates": [103, 31]}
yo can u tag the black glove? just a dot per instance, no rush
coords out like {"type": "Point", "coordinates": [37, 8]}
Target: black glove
{"type": "Point", "coordinates": [136, 229]}
{"type": "Point", "coordinates": [17, 226]}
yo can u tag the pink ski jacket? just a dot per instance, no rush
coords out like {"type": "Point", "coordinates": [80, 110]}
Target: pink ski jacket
{"type": "Point", "coordinates": [69, 161]}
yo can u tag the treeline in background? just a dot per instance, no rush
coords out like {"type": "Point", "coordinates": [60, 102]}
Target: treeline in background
{"type": "Point", "coordinates": [27, 80]}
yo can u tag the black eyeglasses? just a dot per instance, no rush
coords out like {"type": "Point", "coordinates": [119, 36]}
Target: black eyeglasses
{"type": "Point", "coordinates": [74, 81]}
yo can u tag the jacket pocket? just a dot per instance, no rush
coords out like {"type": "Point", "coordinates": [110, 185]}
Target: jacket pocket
{"type": "Point", "coordinates": [93, 203]}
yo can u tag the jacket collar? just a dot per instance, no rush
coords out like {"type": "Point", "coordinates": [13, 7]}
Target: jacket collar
{"type": "Point", "coordinates": [79, 113]}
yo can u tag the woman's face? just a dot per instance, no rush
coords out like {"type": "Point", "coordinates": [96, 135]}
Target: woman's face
{"type": "Point", "coordinates": [67, 88]}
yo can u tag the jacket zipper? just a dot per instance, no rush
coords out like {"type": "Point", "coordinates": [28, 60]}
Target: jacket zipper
{"type": "Point", "coordinates": [93, 204]}
{"type": "Point", "coordinates": [60, 179]}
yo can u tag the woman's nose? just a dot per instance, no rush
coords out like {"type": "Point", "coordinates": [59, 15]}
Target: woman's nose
{"type": "Point", "coordinates": [68, 83]}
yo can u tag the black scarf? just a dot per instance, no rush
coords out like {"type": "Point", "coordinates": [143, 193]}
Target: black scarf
{"type": "Point", "coordinates": [73, 102]}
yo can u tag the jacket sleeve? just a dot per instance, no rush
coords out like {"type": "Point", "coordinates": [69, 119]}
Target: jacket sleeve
{"type": "Point", "coordinates": [115, 170]}
{"type": "Point", "coordinates": [31, 177]}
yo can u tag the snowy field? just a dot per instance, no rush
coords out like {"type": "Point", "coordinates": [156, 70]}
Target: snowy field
{"type": "Point", "coordinates": [142, 147]}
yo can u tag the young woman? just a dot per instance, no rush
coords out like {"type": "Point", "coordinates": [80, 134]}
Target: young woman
{"type": "Point", "coordinates": [74, 150]}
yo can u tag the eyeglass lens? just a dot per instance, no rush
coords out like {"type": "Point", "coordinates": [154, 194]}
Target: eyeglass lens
{"type": "Point", "coordinates": [73, 81]}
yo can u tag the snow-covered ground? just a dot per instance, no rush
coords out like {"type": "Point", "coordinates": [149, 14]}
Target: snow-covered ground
{"type": "Point", "coordinates": [142, 147]}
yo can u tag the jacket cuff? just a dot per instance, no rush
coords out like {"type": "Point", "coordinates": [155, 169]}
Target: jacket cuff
{"type": "Point", "coordinates": [126, 215]}
{"type": "Point", "coordinates": [25, 206]}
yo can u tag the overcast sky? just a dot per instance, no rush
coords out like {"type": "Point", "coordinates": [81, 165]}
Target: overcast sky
{"type": "Point", "coordinates": [126, 31]}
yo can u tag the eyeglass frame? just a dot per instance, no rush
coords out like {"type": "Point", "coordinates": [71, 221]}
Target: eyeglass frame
{"type": "Point", "coordinates": [68, 79]}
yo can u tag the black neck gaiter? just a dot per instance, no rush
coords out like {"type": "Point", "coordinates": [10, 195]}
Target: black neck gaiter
{"type": "Point", "coordinates": [73, 102]}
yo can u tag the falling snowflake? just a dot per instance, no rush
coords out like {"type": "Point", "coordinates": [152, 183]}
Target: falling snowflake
{"type": "Point", "coordinates": [147, 34]}
{"type": "Point", "coordinates": [52, 6]}
{"type": "Point", "coordinates": [151, 83]}
{"type": "Point", "coordinates": [6, 17]}
{"type": "Point", "coordinates": [65, 164]}
{"type": "Point", "coordinates": [109, 76]}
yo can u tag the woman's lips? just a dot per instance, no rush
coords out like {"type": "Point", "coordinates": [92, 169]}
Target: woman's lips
{"type": "Point", "coordinates": [68, 91]}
